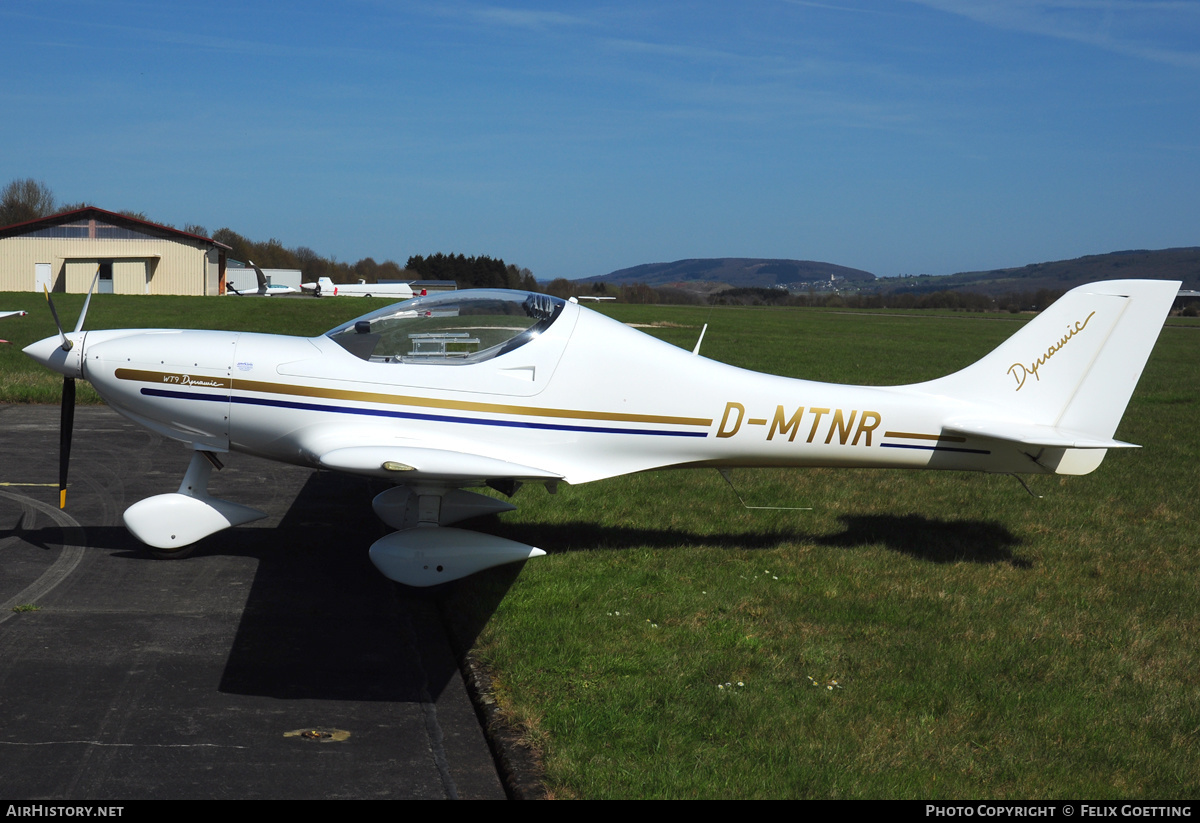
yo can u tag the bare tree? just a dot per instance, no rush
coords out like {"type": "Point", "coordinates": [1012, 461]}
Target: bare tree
{"type": "Point", "coordinates": [23, 200]}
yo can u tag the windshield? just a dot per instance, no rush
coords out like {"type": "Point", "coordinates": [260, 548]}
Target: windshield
{"type": "Point", "coordinates": [451, 327]}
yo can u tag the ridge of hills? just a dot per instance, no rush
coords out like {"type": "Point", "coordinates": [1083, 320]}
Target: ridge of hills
{"type": "Point", "coordinates": [710, 275]}
{"type": "Point", "coordinates": [715, 273]}
{"type": "Point", "coordinates": [1137, 264]}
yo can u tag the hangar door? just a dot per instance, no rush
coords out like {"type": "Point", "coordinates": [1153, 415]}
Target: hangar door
{"type": "Point", "coordinates": [129, 276]}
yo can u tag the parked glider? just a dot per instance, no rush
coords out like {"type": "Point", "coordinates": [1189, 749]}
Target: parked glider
{"type": "Point", "coordinates": [324, 287]}
{"type": "Point", "coordinates": [464, 389]}
{"type": "Point", "coordinates": [265, 289]}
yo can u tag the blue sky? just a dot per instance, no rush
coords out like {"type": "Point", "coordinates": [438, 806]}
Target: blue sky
{"type": "Point", "coordinates": [929, 136]}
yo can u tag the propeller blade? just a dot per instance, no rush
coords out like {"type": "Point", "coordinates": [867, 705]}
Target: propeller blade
{"type": "Point", "coordinates": [65, 426]}
{"type": "Point", "coordinates": [86, 303]}
{"type": "Point", "coordinates": [66, 344]}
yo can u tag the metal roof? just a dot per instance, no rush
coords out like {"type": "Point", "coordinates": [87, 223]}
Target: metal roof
{"type": "Point", "coordinates": [166, 232]}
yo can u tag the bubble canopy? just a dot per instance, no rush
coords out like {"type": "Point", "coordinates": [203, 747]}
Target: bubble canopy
{"type": "Point", "coordinates": [449, 328]}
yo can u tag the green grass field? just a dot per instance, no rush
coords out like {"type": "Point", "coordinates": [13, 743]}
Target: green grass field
{"type": "Point", "coordinates": [915, 635]}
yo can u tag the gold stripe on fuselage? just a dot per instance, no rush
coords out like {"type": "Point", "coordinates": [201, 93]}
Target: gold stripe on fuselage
{"type": "Point", "coordinates": [179, 379]}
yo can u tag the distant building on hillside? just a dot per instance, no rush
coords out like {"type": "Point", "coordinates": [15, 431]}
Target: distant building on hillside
{"type": "Point", "coordinates": [63, 252]}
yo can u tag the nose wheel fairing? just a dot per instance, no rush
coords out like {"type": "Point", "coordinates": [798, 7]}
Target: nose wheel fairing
{"type": "Point", "coordinates": [171, 522]}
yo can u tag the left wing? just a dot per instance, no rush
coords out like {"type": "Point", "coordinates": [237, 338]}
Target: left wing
{"type": "Point", "coordinates": [427, 498]}
{"type": "Point", "coordinates": [407, 464]}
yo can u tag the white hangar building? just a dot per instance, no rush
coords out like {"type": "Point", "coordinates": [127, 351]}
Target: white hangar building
{"type": "Point", "coordinates": [63, 251]}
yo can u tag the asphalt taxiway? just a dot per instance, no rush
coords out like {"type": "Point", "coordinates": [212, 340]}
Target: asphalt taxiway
{"type": "Point", "coordinates": [275, 662]}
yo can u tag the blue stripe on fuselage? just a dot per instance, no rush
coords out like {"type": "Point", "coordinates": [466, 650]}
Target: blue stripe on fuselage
{"type": "Point", "coordinates": [440, 418]}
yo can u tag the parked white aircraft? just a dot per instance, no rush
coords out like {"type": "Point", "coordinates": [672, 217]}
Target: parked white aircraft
{"type": "Point", "coordinates": [324, 287]}
{"type": "Point", "coordinates": [265, 289]}
{"type": "Point", "coordinates": [500, 388]}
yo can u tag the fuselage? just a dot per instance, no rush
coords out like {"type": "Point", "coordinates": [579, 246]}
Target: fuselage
{"type": "Point", "coordinates": [586, 398]}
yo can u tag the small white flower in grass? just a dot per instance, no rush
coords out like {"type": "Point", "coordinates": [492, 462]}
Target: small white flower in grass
{"type": "Point", "coordinates": [740, 684]}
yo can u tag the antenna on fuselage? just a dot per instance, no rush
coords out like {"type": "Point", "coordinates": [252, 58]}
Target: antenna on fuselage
{"type": "Point", "coordinates": [703, 330]}
{"type": "Point", "coordinates": [725, 473]}
{"type": "Point", "coordinates": [1021, 480]}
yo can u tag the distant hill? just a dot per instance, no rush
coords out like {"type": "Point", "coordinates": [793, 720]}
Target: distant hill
{"type": "Point", "coordinates": [708, 275]}
{"type": "Point", "coordinates": [1166, 264]}
{"type": "Point", "coordinates": [714, 273]}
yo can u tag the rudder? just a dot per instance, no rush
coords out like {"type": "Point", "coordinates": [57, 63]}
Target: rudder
{"type": "Point", "coordinates": [1073, 367]}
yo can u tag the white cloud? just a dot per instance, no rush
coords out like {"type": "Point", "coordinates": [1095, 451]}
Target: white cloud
{"type": "Point", "coordinates": [1143, 30]}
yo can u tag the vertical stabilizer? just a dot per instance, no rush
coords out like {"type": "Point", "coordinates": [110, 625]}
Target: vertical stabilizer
{"type": "Point", "coordinates": [1073, 368]}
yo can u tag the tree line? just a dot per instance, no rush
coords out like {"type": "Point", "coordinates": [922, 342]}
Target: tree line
{"type": "Point", "coordinates": [1013, 301]}
{"type": "Point", "coordinates": [757, 296]}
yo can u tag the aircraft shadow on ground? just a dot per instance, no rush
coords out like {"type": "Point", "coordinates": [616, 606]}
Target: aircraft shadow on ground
{"type": "Point", "coordinates": [321, 622]}
{"type": "Point", "coordinates": [933, 540]}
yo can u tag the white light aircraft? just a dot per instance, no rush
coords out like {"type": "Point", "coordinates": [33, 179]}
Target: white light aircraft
{"type": "Point", "coordinates": [324, 287]}
{"type": "Point", "coordinates": [464, 389]}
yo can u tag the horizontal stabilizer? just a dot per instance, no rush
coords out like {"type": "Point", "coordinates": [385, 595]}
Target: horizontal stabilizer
{"type": "Point", "coordinates": [1033, 434]}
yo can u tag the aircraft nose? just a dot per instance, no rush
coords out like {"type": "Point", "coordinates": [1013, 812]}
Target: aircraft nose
{"type": "Point", "coordinates": [49, 352]}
